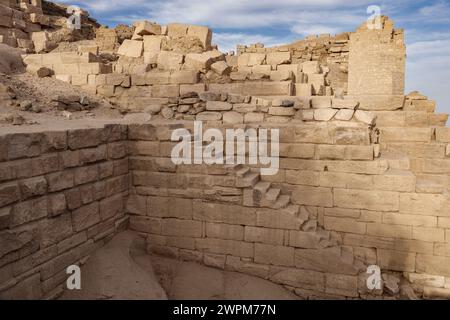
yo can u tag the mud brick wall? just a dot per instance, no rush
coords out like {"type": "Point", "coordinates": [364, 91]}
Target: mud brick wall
{"type": "Point", "coordinates": [62, 195]}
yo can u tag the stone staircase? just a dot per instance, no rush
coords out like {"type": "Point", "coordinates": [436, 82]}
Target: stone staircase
{"type": "Point", "coordinates": [264, 195]}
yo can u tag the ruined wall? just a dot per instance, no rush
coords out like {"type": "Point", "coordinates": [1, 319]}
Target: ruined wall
{"type": "Point", "coordinates": [377, 61]}
{"type": "Point", "coordinates": [334, 208]}
{"type": "Point", "coordinates": [62, 195]}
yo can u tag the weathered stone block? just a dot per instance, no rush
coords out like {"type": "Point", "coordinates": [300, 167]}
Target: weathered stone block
{"type": "Point", "coordinates": [131, 48]}
{"type": "Point", "coordinates": [274, 255]}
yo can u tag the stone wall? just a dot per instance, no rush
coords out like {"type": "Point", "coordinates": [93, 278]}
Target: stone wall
{"type": "Point", "coordinates": [377, 61]}
{"type": "Point", "coordinates": [62, 195]}
{"type": "Point", "coordinates": [336, 206]}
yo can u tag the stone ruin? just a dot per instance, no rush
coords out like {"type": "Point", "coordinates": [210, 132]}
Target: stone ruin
{"type": "Point", "coordinates": [363, 179]}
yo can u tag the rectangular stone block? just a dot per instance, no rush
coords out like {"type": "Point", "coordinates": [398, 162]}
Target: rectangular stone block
{"type": "Point", "coordinates": [364, 199]}
{"type": "Point", "coordinates": [86, 216]}
{"type": "Point", "coordinates": [264, 235]}
{"type": "Point", "coordinates": [274, 255]}
{"type": "Point", "coordinates": [220, 246]}
{"type": "Point", "coordinates": [186, 228]}
{"type": "Point", "coordinates": [224, 231]}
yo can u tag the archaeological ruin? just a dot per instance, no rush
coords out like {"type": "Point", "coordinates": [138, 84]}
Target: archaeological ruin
{"type": "Point", "coordinates": [363, 177]}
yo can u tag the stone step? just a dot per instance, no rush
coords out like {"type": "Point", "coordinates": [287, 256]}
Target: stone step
{"type": "Point", "coordinates": [240, 172]}
{"type": "Point", "coordinates": [262, 187]}
{"type": "Point", "coordinates": [248, 180]}
{"type": "Point", "coordinates": [271, 197]}
{"type": "Point", "coordinates": [282, 202]}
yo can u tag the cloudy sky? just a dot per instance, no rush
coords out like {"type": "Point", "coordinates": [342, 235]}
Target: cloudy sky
{"type": "Point", "coordinates": [427, 25]}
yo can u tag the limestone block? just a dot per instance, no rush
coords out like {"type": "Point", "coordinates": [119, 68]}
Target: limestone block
{"type": "Point", "coordinates": [344, 103]}
{"type": "Point", "coordinates": [150, 57]}
{"type": "Point", "coordinates": [220, 246]}
{"type": "Point", "coordinates": [443, 134]}
{"type": "Point", "coordinates": [38, 71]}
{"type": "Point", "coordinates": [344, 285]}
{"type": "Point", "coordinates": [264, 235]}
{"type": "Point", "coordinates": [165, 91]}
{"type": "Point", "coordinates": [310, 67]}
{"type": "Point", "coordinates": [79, 79]}
{"type": "Point", "coordinates": [177, 30]}
{"type": "Point", "coordinates": [324, 114]}
{"type": "Point", "coordinates": [233, 117]}
{"type": "Point", "coordinates": [253, 117]}
{"type": "Point", "coordinates": [363, 199]}
{"type": "Point", "coordinates": [243, 59]}
{"type": "Point", "coordinates": [406, 134]}
{"type": "Point", "coordinates": [304, 279]}
{"type": "Point", "coordinates": [447, 151]}
{"type": "Point", "coordinates": [303, 89]}
{"type": "Point", "coordinates": [152, 43]}
{"type": "Point", "coordinates": [88, 49]}
{"type": "Point", "coordinates": [321, 102]}
{"type": "Point", "coordinates": [365, 117]}
{"type": "Point", "coordinates": [209, 116]}
{"type": "Point", "coordinates": [277, 58]}
{"type": "Point", "coordinates": [188, 88]}
{"type": "Point", "coordinates": [204, 34]}
{"type": "Point", "coordinates": [324, 260]}
{"type": "Point", "coordinates": [224, 231]}
{"type": "Point", "coordinates": [281, 75]}
{"type": "Point", "coordinates": [378, 102]}
{"type": "Point", "coordinates": [86, 216]}
{"type": "Point", "coordinates": [344, 115]}
{"type": "Point", "coordinates": [198, 61]}
{"type": "Point", "coordinates": [184, 77]}
{"type": "Point", "coordinates": [143, 28]}
{"type": "Point", "coordinates": [274, 255]}
{"type": "Point", "coordinates": [152, 78]}
{"type": "Point", "coordinates": [169, 60]}
{"type": "Point", "coordinates": [255, 59]}
{"type": "Point", "coordinates": [131, 48]}
{"type": "Point", "coordinates": [238, 76]}
{"type": "Point", "coordinates": [221, 68]}
{"type": "Point", "coordinates": [281, 111]}
{"type": "Point", "coordinates": [218, 106]}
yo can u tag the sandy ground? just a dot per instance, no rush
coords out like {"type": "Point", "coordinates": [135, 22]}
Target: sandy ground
{"type": "Point", "coordinates": [123, 270]}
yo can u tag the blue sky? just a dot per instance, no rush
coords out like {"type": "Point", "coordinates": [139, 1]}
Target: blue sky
{"type": "Point", "coordinates": [427, 25]}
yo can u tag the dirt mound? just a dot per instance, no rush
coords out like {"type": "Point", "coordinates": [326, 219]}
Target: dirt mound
{"type": "Point", "coordinates": [10, 60]}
